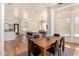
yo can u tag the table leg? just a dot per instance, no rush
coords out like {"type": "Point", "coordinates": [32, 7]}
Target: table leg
{"type": "Point", "coordinates": [43, 52]}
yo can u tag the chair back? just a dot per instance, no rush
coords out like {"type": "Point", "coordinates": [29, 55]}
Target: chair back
{"type": "Point", "coordinates": [56, 46]}
{"type": "Point", "coordinates": [31, 46]}
{"type": "Point", "coordinates": [62, 43]}
{"type": "Point", "coordinates": [36, 36]}
{"type": "Point", "coordinates": [56, 34]}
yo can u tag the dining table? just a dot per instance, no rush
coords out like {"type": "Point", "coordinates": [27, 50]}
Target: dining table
{"type": "Point", "coordinates": [45, 43]}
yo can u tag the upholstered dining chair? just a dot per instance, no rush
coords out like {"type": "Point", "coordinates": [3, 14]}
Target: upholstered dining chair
{"type": "Point", "coordinates": [33, 49]}
{"type": "Point", "coordinates": [55, 34]}
{"type": "Point", "coordinates": [36, 36]}
{"type": "Point", "coordinates": [62, 45]}
{"type": "Point", "coordinates": [54, 49]}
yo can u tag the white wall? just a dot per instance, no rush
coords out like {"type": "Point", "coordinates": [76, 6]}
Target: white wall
{"type": "Point", "coordinates": [1, 40]}
{"type": "Point", "coordinates": [33, 21]}
{"type": "Point", "coordinates": [32, 16]}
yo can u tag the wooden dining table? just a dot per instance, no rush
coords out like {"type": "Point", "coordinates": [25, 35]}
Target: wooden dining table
{"type": "Point", "coordinates": [45, 43]}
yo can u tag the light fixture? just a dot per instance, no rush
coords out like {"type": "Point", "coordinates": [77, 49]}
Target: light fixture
{"type": "Point", "coordinates": [60, 3]}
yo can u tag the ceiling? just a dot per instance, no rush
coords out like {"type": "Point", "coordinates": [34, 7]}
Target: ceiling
{"type": "Point", "coordinates": [15, 8]}
{"type": "Point", "coordinates": [39, 6]}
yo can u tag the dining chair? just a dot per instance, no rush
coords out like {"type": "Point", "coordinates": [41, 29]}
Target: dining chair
{"type": "Point", "coordinates": [57, 35]}
{"type": "Point", "coordinates": [33, 49]}
{"type": "Point", "coordinates": [36, 36]}
{"type": "Point", "coordinates": [54, 48]}
{"type": "Point", "coordinates": [62, 45]}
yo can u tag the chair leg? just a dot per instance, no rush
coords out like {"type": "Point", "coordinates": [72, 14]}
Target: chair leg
{"type": "Point", "coordinates": [53, 54]}
{"type": "Point", "coordinates": [29, 53]}
{"type": "Point", "coordinates": [59, 52]}
{"type": "Point", "coordinates": [63, 49]}
{"type": "Point", "coordinates": [49, 54]}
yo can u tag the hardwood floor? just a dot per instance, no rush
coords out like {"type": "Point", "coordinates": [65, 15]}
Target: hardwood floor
{"type": "Point", "coordinates": [75, 47]}
{"type": "Point", "coordinates": [19, 45]}
{"type": "Point", "coordinates": [15, 47]}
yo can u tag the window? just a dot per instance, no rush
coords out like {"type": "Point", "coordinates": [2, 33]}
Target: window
{"type": "Point", "coordinates": [63, 26]}
{"type": "Point", "coordinates": [66, 26]}
{"type": "Point", "coordinates": [67, 23]}
{"type": "Point", "coordinates": [76, 24]}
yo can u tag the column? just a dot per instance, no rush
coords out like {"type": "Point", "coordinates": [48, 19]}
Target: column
{"type": "Point", "coordinates": [50, 19]}
{"type": "Point", "coordinates": [1, 29]}
{"type": "Point", "coordinates": [72, 24]}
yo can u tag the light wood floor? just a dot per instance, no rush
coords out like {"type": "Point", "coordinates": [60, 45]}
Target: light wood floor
{"type": "Point", "coordinates": [20, 45]}
{"type": "Point", "coordinates": [73, 46]}
{"type": "Point", "coordinates": [15, 47]}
